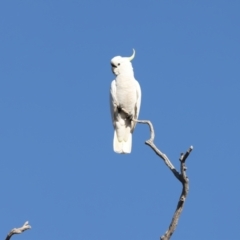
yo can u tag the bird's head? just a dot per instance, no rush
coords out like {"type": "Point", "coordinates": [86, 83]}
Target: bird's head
{"type": "Point", "coordinates": [122, 64]}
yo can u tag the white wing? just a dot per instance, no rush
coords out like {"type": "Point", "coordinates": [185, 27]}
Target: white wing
{"type": "Point", "coordinates": [137, 105]}
{"type": "Point", "coordinates": [139, 96]}
{"type": "Point", "coordinates": [113, 101]}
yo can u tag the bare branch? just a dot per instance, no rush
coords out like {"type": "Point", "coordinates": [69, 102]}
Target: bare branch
{"type": "Point", "coordinates": [25, 227]}
{"type": "Point", "coordinates": [181, 176]}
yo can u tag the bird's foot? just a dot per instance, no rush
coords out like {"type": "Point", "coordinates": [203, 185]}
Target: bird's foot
{"type": "Point", "coordinates": [119, 109]}
{"type": "Point", "coordinates": [129, 117]}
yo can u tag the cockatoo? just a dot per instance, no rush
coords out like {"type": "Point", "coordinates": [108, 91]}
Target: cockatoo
{"type": "Point", "coordinates": [125, 101]}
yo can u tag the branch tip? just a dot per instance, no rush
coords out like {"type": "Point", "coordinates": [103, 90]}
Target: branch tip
{"type": "Point", "coordinates": [25, 227]}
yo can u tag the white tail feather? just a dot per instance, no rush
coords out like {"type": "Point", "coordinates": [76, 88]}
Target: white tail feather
{"type": "Point", "coordinates": [122, 146]}
{"type": "Point", "coordinates": [127, 146]}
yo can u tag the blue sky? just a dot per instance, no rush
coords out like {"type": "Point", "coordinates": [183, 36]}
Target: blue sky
{"type": "Point", "coordinates": [58, 169]}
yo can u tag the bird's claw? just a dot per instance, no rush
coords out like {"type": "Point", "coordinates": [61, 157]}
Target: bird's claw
{"type": "Point", "coordinates": [119, 108]}
{"type": "Point", "coordinates": [130, 117]}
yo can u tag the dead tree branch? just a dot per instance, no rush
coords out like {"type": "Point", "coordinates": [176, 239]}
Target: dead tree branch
{"type": "Point", "coordinates": [181, 176]}
{"type": "Point", "coordinates": [25, 227]}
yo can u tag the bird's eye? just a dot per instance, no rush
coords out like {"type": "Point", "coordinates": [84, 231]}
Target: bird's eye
{"type": "Point", "coordinates": [118, 64]}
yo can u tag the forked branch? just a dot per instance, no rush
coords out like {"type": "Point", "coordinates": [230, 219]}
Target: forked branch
{"type": "Point", "coordinates": [181, 176]}
{"type": "Point", "coordinates": [25, 227]}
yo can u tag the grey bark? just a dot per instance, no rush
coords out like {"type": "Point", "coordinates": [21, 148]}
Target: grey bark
{"type": "Point", "coordinates": [25, 227]}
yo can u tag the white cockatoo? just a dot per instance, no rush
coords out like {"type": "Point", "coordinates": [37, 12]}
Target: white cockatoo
{"type": "Point", "coordinates": [125, 101]}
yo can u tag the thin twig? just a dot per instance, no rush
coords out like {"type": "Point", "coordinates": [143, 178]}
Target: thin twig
{"type": "Point", "coordinates": [25, 227]}
{"type": "Point", "coordinates": [181, 176]}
